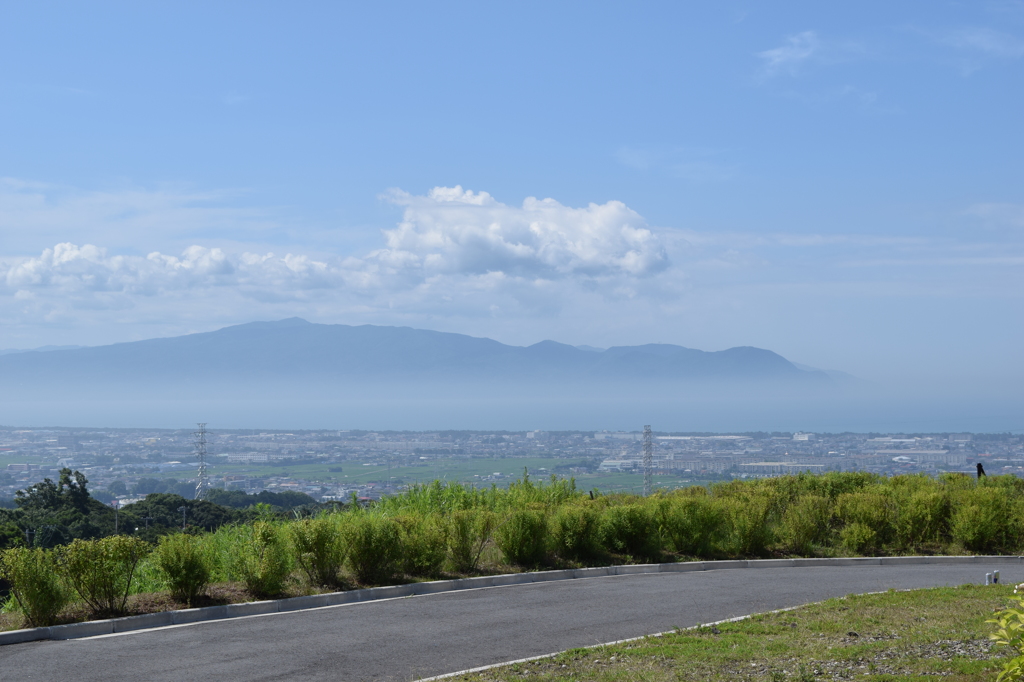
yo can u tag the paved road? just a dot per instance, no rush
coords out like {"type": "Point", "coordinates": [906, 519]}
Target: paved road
{"type": "Point", "coordinates": [402, 639]}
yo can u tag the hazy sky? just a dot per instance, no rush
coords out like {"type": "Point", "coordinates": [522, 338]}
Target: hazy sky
{"type": "Point", "coordinates": [838, 182]}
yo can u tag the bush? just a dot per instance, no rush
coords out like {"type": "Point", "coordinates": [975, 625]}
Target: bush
{"type": "Point", "coordinates": [522, 538]}
{"type": "Point", "coordinates": [186, 565]}
{"type": "Point", "coordinates": [466, 533]}
{"type": "Point", "coordinates": [858, 538]}
{"type": "Point", "coordinates": [101, 571]}
{"type": "Point", "coordinates": [35, 583]}
{"type": "Point", "coordinates": [750, 528]}
{"type": "Point", "coordinates": [694, 526]}
{"type": "Point", "coordinates": [632, 529]}
{"type": "Point", "coordinates": [374, 548]}
{"type": "Point", "coordinates": [576, 533]}
{"type": "Point", "coordinates": [921, 518]}
{"type": "Point", "coordinates": [870, 510]}
{"type": "Point", "coordinates": [806, 524]}
{"type": "Point", "coordinates": [319, 550]}
{"type": "Point", "coordinates": [985, 520]}
{"type": "Point", "coordinates": [423, 545]}
{"type": "Point", "coordinates": [260, 559]}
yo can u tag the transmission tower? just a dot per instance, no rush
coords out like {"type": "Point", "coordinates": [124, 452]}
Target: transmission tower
{"type": "Point", "coordinates": [648, 461]}
{"type": "Point", "coordinates": [203, 484]}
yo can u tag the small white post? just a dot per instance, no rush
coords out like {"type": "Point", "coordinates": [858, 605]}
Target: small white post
{"type": "Point", "coordinates": [988, 578]}
{"type": "Point", "coordinates": [995, 577]}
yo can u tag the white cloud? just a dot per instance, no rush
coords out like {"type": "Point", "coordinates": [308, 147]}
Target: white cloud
{"type": "Point", "coordinates": [451, 244]}
{"type": "Point", "coordinates": [788, 57]}
{"type": "Point", "coordinates": [452, 230]}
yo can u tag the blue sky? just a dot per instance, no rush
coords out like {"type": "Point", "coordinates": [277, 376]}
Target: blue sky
{"type": "Point", "coordinates": [840, 183]}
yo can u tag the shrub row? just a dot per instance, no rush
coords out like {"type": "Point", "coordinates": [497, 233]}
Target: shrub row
{"type": "Point", "coordinates": [99, 572]}
{"type": "Point", "coordinates": [458, 529]}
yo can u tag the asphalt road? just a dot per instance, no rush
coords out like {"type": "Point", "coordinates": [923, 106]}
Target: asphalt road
{"type": "Point", "coordinates": [407, 638]}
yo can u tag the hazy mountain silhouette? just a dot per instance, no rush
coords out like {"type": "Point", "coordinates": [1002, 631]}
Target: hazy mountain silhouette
{"type": "Point", "coordinates": [297, 355]}
{"type": "Point", "coordinates": [41, 349]}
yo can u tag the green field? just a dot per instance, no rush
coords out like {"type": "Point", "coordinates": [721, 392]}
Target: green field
{"type": "Point", "coordinates": [456, 469]}
{"type": "Point", "coordinates": [14, 458]}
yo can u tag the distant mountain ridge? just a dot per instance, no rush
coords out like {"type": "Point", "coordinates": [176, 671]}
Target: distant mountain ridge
{"type": "Point", "coordinates": [41, 349]}
{"type": "Point", "coordinates": [297, 354]}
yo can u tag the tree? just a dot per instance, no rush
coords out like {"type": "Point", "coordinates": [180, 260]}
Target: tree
{"type": "Point", "coordinates": [71, 491]}
{"type": "Point", "coordinates": [147, 486]}
{"type": "Point", "coordinates": [162, 511]}
{"type": "Point", "coordinates": [239, 499]}
{"type": "Point", "coordinates": [56, 513]}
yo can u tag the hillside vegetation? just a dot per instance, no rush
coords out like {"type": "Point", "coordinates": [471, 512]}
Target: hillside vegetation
{"type": "Point", "coordinates": [449, 529]}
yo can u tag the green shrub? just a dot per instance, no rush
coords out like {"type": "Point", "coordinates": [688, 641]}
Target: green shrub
{"type": "Point", "coordinates": [319, 549]}
{"type": "Point", "coordinates": [986, 520]}
{"type": "Point", "coordinates": [260, 559]}
{"type": "Point", "coordinates": [35, 584]}
{"type": "Point", "coordinates": [873, 509]}
{"type": "Point", "coordinates": [576, 533]}
{"type": "Point", "coordinates": [186, 565]}
{"type": "Point", "coordinates": [750, 527]}
{"type": "Point", "coordinates": [632, 529]}
{"type": "Point", "coordinates": [374, 547]}
{"type": "Point", "coordinates": [921, 518]}
{"type": "Point", "coordinates": [101, 571]}
{"type": "Point", "coordinates": [858, 538]}
{"type": "Point", "coordinates": [805, 524]}
{"type": "Point", "coordinates": [466, 534]}
{"type": "Point", "coordinates": [694, 525]}
{"type": "Point", "coordinates": [522, 538]}
{"type": "Point", "coordinates": [424, 548]}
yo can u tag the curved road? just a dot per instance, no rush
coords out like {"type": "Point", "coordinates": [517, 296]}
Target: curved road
{"type": "Point", "coordinates": [406, 638]}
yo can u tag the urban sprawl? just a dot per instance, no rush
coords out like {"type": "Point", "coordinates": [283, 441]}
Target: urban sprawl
{"type": "Point", "coordinates": [127, 464]}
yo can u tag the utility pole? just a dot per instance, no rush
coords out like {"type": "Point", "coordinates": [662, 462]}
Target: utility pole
{"type": "Point", "coordinates": [116, 509]}
{"type": "Point", "coordinates": [203, 484]}
{"type": "Point", "coordinates": [648, 461]}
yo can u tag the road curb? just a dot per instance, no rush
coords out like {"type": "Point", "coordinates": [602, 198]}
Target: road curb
{"type": "Point", "coordinates": [187, 616]}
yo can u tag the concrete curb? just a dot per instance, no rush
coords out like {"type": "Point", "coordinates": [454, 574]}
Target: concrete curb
{"type": "Point", "coordinates": [186, 616]}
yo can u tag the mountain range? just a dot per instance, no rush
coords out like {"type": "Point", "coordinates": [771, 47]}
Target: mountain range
{"type": "Point", "coordinates": [296, 355]}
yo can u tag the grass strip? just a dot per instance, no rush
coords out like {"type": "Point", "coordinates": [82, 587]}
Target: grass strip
{"type": "Point", "coordinates": [913, 635]}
